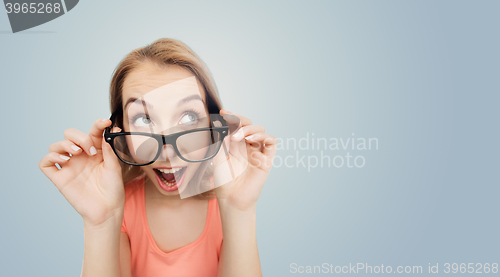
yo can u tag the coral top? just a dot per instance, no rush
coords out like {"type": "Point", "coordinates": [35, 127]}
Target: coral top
{"type": "Point", "coordinates": [199, 258]}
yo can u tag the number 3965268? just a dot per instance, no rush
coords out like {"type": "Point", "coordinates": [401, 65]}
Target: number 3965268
{"type": "Point", "coordinates": [33, 8]}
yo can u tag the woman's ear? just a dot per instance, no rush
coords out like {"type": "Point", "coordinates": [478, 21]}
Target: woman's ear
{"type": "Point", "coordinates": [216, 123]}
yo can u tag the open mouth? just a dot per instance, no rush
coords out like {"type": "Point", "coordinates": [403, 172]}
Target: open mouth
{"type": "Point", "coordinates": [170, 179]}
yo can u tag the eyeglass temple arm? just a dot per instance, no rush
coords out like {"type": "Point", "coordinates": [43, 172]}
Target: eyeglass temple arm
{"type": "Point", "coordinates": [218, 117]}
{"type": "Point", "coordinates": [107, 130]}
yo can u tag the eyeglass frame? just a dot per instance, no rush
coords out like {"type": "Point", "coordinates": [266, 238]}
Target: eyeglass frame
{"type": "Point", "coordinates": [166, 139]}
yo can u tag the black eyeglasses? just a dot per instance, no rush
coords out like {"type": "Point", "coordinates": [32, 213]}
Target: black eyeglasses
{"type": "Point", "coordinates": [138, 148]}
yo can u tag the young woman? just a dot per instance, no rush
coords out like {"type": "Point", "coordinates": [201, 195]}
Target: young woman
{"type": "Point", "coordinates": [135, 222]}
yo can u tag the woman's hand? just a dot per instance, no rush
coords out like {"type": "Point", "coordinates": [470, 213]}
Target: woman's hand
{"type": "Point", "coordinates": [91, 179]}
{"type": "Point", "coordinates": [251, 153]}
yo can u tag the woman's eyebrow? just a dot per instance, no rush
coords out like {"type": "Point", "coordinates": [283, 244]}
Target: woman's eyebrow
{"type": "Point", "coordinates": [190, 98]}
{"type": "Point", "coordinates": [182, 101]}
{"type": "Point", "coordinates": [133, 99]}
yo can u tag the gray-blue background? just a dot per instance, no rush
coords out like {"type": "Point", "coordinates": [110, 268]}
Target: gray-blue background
{"type": "Point", "coordinates": [421, 76]}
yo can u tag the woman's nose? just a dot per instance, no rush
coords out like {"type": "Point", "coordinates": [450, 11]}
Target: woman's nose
{"type": "Point", "coordinates": [167, 153]}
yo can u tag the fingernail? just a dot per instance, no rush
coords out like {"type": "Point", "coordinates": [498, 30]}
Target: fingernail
{"type": "Point", "coordinates": [237, 134]}
{"type": "Point", "coordinates": [64, 157]}
{"type": "Point", "coordinates": [249, 137]}
{"type": "Point", "coordinates": [93, 151]}
{"type": "Point", "coordinates": [75, 148]}
{"type": "Point", "coordinates": [102, 120]}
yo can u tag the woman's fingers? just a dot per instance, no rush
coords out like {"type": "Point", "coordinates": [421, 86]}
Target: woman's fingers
{"type": "Point", "coordinates": [264, 145]}
{"type": "Point", "coordinates": [262, 149]}
{"type": "Point", "coordinates": [96, 131]}
{"type": "Point", "coordinates": [110, 159]}
{"type": "Point", "coordinates": [82, 140]}
{"type": "Point", "coordinates": [76, 143]}
{"type": "Point", "coordinates": [266, 141]}
{"type": "Point", "coordinates": [52, 158]}
{"type": "Point", "coordinates": [65, 146]}
{"type": "Point", "coordinates": [247, 131]}
{"type": "Point", "coordinates": [48, 167]}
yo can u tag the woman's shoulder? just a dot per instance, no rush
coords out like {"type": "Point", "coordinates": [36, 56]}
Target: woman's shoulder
{"type": "Point", "coordinates": [132, 204]}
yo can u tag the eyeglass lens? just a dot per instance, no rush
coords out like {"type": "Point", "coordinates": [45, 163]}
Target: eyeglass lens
{"type": "Point", "coordinates": [194, 146]}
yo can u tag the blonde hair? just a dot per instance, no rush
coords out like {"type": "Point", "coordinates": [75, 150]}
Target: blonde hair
{"type": "Point", "coordinates": [164, 52]}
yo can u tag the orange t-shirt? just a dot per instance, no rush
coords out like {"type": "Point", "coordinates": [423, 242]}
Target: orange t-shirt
{"type": "Point", "coordinates": [199, 258]}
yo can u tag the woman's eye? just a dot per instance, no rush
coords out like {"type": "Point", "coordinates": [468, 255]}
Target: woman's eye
{"type": "Point", "coordinates": [189, 118]}
{"type": "Point", "coordinates": [142, 121]}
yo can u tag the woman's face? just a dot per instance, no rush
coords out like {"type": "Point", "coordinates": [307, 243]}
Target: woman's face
{"type": "Point", "coordinates": [165, 101]}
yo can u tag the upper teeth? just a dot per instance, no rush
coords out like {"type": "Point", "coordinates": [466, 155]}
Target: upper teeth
{"type": "Point", "coordinates": [172, 170]}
